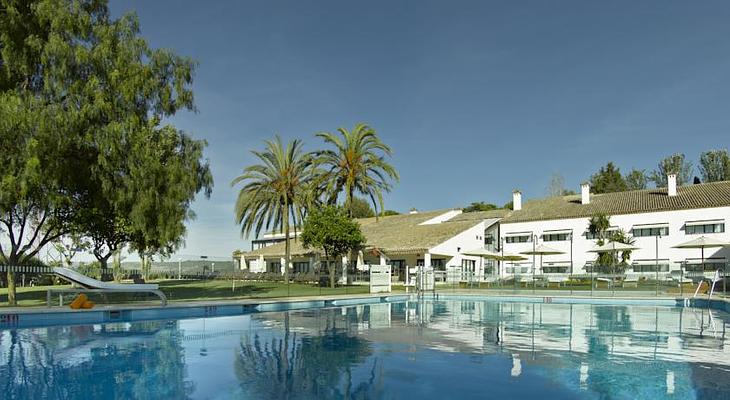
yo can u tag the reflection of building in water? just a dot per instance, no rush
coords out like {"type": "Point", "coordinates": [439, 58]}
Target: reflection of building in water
{"type": "Point", "coordinates": [593, 341]}
{"type": "Point", "coordinates": [635, 332]}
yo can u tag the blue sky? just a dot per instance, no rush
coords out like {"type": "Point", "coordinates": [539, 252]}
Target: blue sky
{"type": "Point", "coordinates": [476, 98]}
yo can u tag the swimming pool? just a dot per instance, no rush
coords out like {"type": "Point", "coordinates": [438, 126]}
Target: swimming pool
{"type": "Point", "coordinates": [453, 348]}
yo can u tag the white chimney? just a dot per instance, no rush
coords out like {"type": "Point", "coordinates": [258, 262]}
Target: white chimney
{"type": "Point", "coordinates": [672, 184]}
{"type": "Point", "coordinates": [585, 193]}
{"type": "Point", "coordinates": [516, 200]}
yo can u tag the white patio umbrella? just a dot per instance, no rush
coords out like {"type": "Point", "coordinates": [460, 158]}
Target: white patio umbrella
{"type": "Point", "coordinates": [482, 253]}
{"type": "Point", "coordinates": [541, 251]}
{"type": "Point", "coordinates": [613, 247]}
{"type": "Point", "coordinates": [701, 243]}
{"type": "Point", "coordinates": [512, 258]}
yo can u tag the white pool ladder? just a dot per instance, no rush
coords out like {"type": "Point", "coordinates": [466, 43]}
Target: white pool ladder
{"type": "Point", "coordinates": [715, 279]}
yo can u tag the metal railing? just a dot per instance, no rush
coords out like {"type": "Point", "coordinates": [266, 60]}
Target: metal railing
{"type": "Point", "coordinates": [677, 282]}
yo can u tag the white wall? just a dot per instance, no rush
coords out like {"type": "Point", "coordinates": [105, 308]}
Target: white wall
{"type": "Point", "coordinates": [470, 239]}
{"type": "Point", "coordinates": [647, 245]}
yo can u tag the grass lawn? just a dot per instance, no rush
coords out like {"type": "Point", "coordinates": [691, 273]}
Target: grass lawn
{"type": "Point", "coordinates": [193, 290]}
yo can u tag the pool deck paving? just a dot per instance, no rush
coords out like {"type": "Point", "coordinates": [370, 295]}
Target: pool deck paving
{"type": "Point", "coordinates": [543, 295]}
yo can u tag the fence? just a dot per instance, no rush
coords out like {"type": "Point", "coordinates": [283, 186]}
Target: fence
{"type": "Point", "coordinates": [682, 282]}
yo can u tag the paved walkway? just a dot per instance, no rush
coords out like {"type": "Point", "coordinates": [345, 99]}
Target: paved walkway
{"type": "Point", "coordinates": [623, 295]}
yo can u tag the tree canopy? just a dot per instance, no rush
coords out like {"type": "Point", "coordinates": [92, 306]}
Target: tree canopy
{"type": "Point", "coordinates": [608, 179]}
{"type": "Point", "coordinates": [360, 208]}
{"type": "Point", "coordinates": [636, 179]}
{"type": "Point", "coordinates": [480, 206]}
{"type": "Point", "coordinates": [82, 142]}
{"type": "Point", "coordinates": [332, 231]}
{"type": "Point", "coordinates": [357, 164]}
{"type": "Point", "coordinates": [674, 164]}
{"type": "Point", "coordinates": [387, 213]}
{"type": "Point", "coordinates": [715, 165]}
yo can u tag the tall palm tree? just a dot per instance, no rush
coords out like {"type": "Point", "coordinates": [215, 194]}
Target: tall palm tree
{"type": "Point", "coordinates": [274, 192]}
{"type": "Point", "coordinates": [356, 164]}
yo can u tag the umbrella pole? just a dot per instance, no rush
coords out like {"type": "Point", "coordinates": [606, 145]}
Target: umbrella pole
{"type": "Point", "coordinates": [702, 263]}
{"type": "Point", "coordinates": [702, 260]}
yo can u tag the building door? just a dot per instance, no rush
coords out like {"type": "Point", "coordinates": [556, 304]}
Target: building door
{"type": "Point", "coordinates": [468, 268]}
{"type": "Point", "coordinates": [399, 269]}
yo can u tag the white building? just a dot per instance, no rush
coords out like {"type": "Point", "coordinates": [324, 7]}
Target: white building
{"type": "Point", "coordinates": [658, 219]}
{"type": "Point", "coordinates": [435, 238]}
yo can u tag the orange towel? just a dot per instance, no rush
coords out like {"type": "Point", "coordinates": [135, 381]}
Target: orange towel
{"type": "Point", "coordinates": [88, 304]}
{"type": "Point", "coordinates": [78, 301]}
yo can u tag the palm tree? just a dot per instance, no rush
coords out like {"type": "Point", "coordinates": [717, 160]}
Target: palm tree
{"type": "Point", "coordinates": [598, 227]}
{"type": "Point", "coordinates": [356, 164]}
{"type": "Point", "coordinates": [274, 192]}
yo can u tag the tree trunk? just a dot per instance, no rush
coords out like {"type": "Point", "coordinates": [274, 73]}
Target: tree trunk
{"type": "Point", "coordinates": [103, 265]}
{"type": "Point", "coordinates": [348, 201]}
{"type": "Point", "coordinates": [11, 288]}
{"type": "Point", "coordinates": [332, 267]}
{"type": "Point", "coordinates": [287, 251]}
{"type": "Point", "coordinates": [117, 267]}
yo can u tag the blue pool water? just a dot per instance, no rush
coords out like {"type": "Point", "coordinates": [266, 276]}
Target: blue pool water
{"type": "Point", "coordinates": [403, 350]}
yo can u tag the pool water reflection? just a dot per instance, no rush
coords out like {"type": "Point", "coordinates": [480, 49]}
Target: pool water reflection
{"type": "Point", "coordinates": [430, 349]}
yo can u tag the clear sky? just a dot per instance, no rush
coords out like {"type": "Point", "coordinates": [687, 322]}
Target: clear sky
{"type": "Point", "coordinates": [476, 98]}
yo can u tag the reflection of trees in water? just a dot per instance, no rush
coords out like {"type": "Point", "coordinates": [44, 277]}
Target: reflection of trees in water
{"type": "Point", "coordinates": [143, 360]}
{"type": "Point", "coordinates": [609, 321]}
{"type": "Point", "coordinates": [297, 366]}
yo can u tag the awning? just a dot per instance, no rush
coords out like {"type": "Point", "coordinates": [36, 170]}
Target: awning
{"type": "Point", "coordinates": [609, 229]}
{"type": "Point", "coordinates": [556, 264]}
{"type": "Point", "coordinates": [692, 261]}
{"type": "Point", "coordinates": [515, 234]}
{"type": "Point", "coordinates": [557, 232]}
{"type": "Point", "coordinates": [650, 226]}
{"type": "Point", "coordinates": [651, 262]}
{"type": "Point", "coordinates": [706, 222]}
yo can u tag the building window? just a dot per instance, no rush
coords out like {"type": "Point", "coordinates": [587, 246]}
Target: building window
{"type": "Point", "coordinates": [555, 237]}
{"type": "Point", "coordinates": [518, 239]}
{"type": "Point", "coordinates": [301, 267]}
{"type": "Point", "coordinates": [275, 266]}
{"type": "Point", "coordinates": [704, 228]}
{"type": "Point", "coordinates": [663, 267]}
{"type": "Point", "coordinates": [555, 269]}
{"type": "Point", "coordinates": [468, 267]}
{"type": "Point", "coordinates": [709, 265]}
{"type": "Point", "coordinates": [489, 239]}
{"type": "Point", "coordinates": [591, 236]}
{"type": "Point", "coordinates": [654, 231]}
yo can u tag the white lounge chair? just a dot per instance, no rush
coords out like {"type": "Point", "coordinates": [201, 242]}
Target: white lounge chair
{"type": "Point", "coordinates": [491, 280]}
{"type": "Point", "coordinates": [677, 277]}
{"type": "Point", "coordinates": [526, 279]}
{"type": "Point", "coordinates": [631, 280]}
{"type": "Point", "coordinates": [556, 279]}
{"type": "Point", "coordinates": [92, 285]}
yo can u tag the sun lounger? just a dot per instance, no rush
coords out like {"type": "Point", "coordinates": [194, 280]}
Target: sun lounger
{"type": "Point", "coordinates": [525, 279]}
{"type": "Point", "coordinates": [90, 285]}
{"type": "Point", "coordinates": [631, 279]}
{"type": "Point", "coordinates": [558, 280]}
{"type": "Point", "coordinates": [678, 278]}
